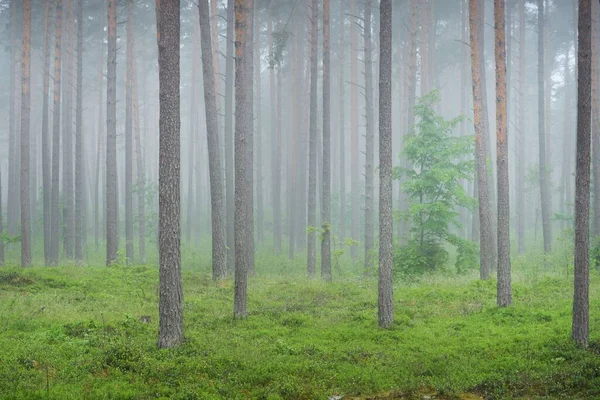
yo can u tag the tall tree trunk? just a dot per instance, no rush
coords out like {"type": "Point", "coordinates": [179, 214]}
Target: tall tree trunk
{"type": "Point", "coordinates": [14, 166]}
{"type": "Point", "coordinates": [544, 184]}
{"type": "Point", "coordinates": [228, 133]}
{"type": "Point", "coordinates": [171, 294]}
{"type": "Point", "coordinates": [504, 291]}
{"type": "Point", "coordinates": [411, 78]}
{"type": "Point", "coordinates": [480, 157]}
{"type": "Point", "coordinates": [275, 146]}
{"type": "Point", "coordinates": [112, 232]}
{"type": "Point", "coordinates": [46, 170]}
{"type": "Point", "coordinates": [139, 157]}
{"type": "Point", "coordinates": [370, 147]}
{"type": "Point", "coordinates": [354, 112]}
{"type": "Point", "coordinates": [325, 203]}
{"type": "Point", "coordinates": [25, 117]}
{"type": "Point", "coordinates": [250, 145]}
{"type": "Point", "coordinates": [129, 138]}
{"type": "Point", "coordinates": [98, 231]}
{"type": "Point", "coordinates": [386, 231]}
{"type": "Point", "coordinates": [595, 122]}
{"type": "Point", "coordinates": [312, 144]}
{"type": "Point", "coordinates": [54, 200]}
{"type": "Point", "coordinates": [243, 115]}
{"type": "Point", "coordinates": [342, 122]}
{"type": "Point", "coordinates": [520, 172]}
{"type": "Point", "coordinates": [219, 251]}
{"type": "Point", "coordinates": [192, 131]}
{"type": "Point", "coordinates": [67, 138]}
{"type": "Point", "coordinates": [566, 170]}
{"type": "Point", "coordinates": [80, 213]}
{"type": "Point", "coordinates": [258, 141]}
{"type": "Point", "coordinates": [580, 329]}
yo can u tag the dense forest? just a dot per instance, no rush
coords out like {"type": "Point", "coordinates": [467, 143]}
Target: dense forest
{"type": "Point", "coordinates": [341, 199]}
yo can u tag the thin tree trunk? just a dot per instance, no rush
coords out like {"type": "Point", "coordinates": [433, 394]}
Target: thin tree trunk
{"type": "Point", "coordinates": [386, 231]}
{"type": "Point", "coordinates": [54, 210]}
{"type": "Point", "coordinates": [112, 232]}
{"type": "Point", "coordinates": [250, 145]}
{"type": "Point", "coordinates": [129, 255]}
{"type": "Point", "coordinates": [325, 204]}
{"type": "Point", "coordinates": [520, 173]}
{"type": "Point", "coordinates": [370, 147]}
{"type": "Point", "coordinates": [46, 170]}
{"type": "Point", "coordinates": [219, 251]}
{"type": "Point", "coordinates": [342, 122]}
{"type": "Point", "coordinates": [354, 112]}
{"type": "Point", "coordinates": [275, 150]}
{"type": "Point", "coordinates": [544, 185]}
{"type": "Point", "coordinates": [567, 156]}
{"type": "Point", "coordinates": [243, 115]}
{"type": "Point", "coordinates": [25, 117]}
{"type": "Point", "coordinates": [98, 231]}
{"type": "Point", "coordinates": [312, 144]}
{"type": "Point", "coordinates": [480, 158]}
{"type": "Point", "coordinates": [258, 141]}
{"type": "Point", "coordinates": [67, 138]}
{"type": "Point", "coordinates": [80, 213]}
{"type": "Point", "coordinates": [171, 294]}
{"type": "Point", "coordinates": [13, 203]}
{"type": "Point", "coordinates": [192, 131]}
{"type": "Point", "coordinates": [228, 133]}
{"type": "Point", "coordinates": [141, 173]}
{"type": "Point", "coordinates": [504, 291]}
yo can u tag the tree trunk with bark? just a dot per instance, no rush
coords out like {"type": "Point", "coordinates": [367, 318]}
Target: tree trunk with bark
{"type": "Point", "coordinates": [354, 113]}
{"type": "Point", "coordinates": [370, 145]}
{"type": "Point", "coordinates": [544, 184]}
{"type": "Point", "coordinates": [386, 231]}
{"type": "Point", "coordinates": [14, 166]}
{"type": "Point", "coordinates": [228, 133]}
{"type": "Point", "coordinates": [112, 232]}
{"type": "Point", "coordinates": [342, 123]}
{"type": "Point", "coordinates": [80, 213]}
{"type": "Point", "coordinates": [171, 294]}
{"type": "Point", "coordinates": [129, 138]}
{"type": "Point", "coordinates": [219, 251]}
{"type": "Point", "coordinates": [520, 172]}
{"type": "Point", "coordinates": [67, 135]}
{"type": "Point", "coordinates": [243, 115]}
{"type": "Point", "coordinates": [25, 119]}
{"type": "Point", "coordinates": [504, 291]}
{"type": "Point", "coordinates": [54, 200]}
{"type": "Point", "coordinates": [312, 145]}
{"type": "Point", "coordinates": [46, 170]}
{"type": "Point", "coordinates": [580, 328]}
{"type": "Point", "coordinates": [480, 157]}
{"type": "Point", "coordinates": [326, 191]}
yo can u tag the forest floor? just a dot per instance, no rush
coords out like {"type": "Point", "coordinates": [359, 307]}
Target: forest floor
{"type": "Point", "coordinates": [90, 333]}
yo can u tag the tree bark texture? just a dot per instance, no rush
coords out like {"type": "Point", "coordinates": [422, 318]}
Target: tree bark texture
{"type": "Point", "coordinates": [171, 293]}
{"type": "Point", "coordinates": [480, 156]}
{"type": "Point", "coordinates": [219, 251]}
{"type": "Point", "coordinates": [385, 285]}
{"type": "Point", "coordinates": [580, 328]}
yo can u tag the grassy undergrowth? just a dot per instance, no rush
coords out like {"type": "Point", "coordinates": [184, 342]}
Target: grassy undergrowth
{"type": "Point", "coordinates": [84, 332]}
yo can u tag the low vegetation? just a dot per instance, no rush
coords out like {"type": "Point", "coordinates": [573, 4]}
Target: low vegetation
{"type": "Point", "coordinates": [90, 332]}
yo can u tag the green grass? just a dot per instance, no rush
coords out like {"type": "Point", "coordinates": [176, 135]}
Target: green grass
{"type": "Point", "coordinates": [76, 332]}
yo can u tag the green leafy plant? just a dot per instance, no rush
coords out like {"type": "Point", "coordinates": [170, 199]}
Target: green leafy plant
{"type": "Point", "coordinates": [440, 162]}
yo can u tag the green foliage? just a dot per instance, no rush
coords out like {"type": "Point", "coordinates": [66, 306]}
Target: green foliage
{"type": "Point", "coordinates": [417, 259]}
{"type": "Point", "coordinates": [71, 333]}
{"type": "Point", "coordinates": [440, 161]}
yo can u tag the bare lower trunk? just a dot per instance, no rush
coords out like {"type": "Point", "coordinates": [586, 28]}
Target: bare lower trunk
{"type": "Point", "coordinates": [325, 203]}
{"type": "Point", "coordinates": [80, 213]}
{"type": "Point", "coordinates": [171, 294]}
{"type": "Point", "coordinates": [25, 113]}
{"type": "Point", "coordinates": [112, 233]}
{"type": "Point", "coordinates": [129, 139]}
{"type": "Point", "coordinates": [385, 287]}
{"type": "Point", "coordinates": [580, 329]}
{"type": "Point", "coordinates": [342, 122]}
{"type": "Point", "coordinates": [219, 251]}
{"type": "Point", "coordinates": [46, 170]}
{"type": "Point", "coordinates": [54, 200]}
{"type": "Point", "coordinates": [243, 115]}
{"type": "Point", "coordinates": [228, 133]}
{"type": "Point", "coordinates": [544, 185]}
{"type": "Point", "coordinates": [520, 173]}
{"type": "Point", "coordinates": [67, 137]}
{"type": "Point", "coordinates": [354, 112]}
{"type": "Point", "coordinates": [480, 158]}
{"type": "Point", "coordinates": [504, 291]}
{"type": "Point", "coordinates": [312, 144]}
{"type": "Point", "coordinates": [370, 146]}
